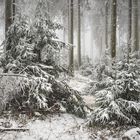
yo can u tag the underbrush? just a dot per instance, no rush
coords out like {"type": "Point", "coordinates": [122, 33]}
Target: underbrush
{"type": "Point", "coordinates": [117, 92]}
{"type": "Point", "coordinates": [32, 59]}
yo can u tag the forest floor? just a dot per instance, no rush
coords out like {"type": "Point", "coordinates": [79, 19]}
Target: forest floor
{"type": "Point", "coordinates": [60, 126]}
{"type": "Point", "coordinates": [82, 84]}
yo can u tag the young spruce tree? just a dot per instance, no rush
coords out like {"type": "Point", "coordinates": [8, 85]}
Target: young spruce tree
{"type": "Point", "coordinates": [32, 50]}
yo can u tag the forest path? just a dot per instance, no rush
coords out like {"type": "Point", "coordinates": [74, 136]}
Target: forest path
{"type": "Point", "coordinates": [54, 127]}
{"type": "Point", "coordinates": [60, 126]}
{"type": "Point", "coordinates": [81, 84]}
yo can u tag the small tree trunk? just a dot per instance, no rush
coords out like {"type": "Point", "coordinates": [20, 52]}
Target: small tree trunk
{"type": "Point", "coordinates": [71, 55]}
{"type": "Point", "coordinates": [79, 34]}
{"type": "Point", "coordinates": [129, 28]}
{"type": "Point", "coordinates": [8, 14]}
{"type": "Point", "coordinates": [14, 9]}
{"type": "Point", "coordinates": [64, 25]}
{"type": "Point", "coordinates": [113, 28]}
{"type": "Point", "coordinates": [101, 47]}
{"type": "Point", "coordinates": [135, 43]}
{"type": "Point", "coordinates": [92, 42]}
{"type": "Point", "coordinates": [83, 36]}
{"type": "Point", "coordinates": [106, 25]}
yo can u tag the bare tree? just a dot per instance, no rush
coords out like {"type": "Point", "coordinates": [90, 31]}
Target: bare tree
{"type": "Point", "coordinates": [135, 43]}
{"type": "Point", "coordinates": [8, 14]}
{"type": "Point", "coordinates": [113, 27]}
{"type": "Point", "coordinates": [83, 36]}
{"type": "Point", "coordinates": [79, 34]}
{"type": "Point", "coordinates": [129, 28]}
{"type": "Point", "coordinates": [106, 24]}
{"type": "Point", "coordinates": [14, 9]}
{"type": "Point", "coordinates": [71, 33]}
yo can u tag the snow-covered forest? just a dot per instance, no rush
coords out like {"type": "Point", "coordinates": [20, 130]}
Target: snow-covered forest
{"type": "Point", "coordinates": [69, 70]}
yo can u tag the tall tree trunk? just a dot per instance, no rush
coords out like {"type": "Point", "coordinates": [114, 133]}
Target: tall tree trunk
{"type": "Point", "coordinates": [79, 34]}
{"type": "Point", "coordinates": [129, 28]}
{"type": "Point", "coordinates": [8, 14]}
{"type": "Point", "coordinates": [71, 33]}
{"type": "Point", "coordinates": [106, 24]}
{"type": "Point", "coordinates": [83, 36]}
{"type": "Point", "coordinates": [14, 9]}
{"type": "Point", "coordinates": [64, 25]}
{"type": "Point", "coordinates": [135, 43]}
{"type": "Point", "coordinates": [92, 42]}
{"type": "Point", "coordinates": [113, 27]}
{"type": "Point", "coordinates": [101, 47]}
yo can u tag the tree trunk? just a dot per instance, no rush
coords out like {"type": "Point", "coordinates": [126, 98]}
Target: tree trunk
{"type": "Point", "coordinates": [113, 28]}
{"type": "Point", "coordinates": [101, 47]}
{"type": "Point", "coordinates": [106, 24]}
{"type": "Point", "coordinates": [79, 35]}
{"type": "Point", "coordinates": [83, 36]}
{"type": "Point", "coordinates": [14, 9]}
{"type": "Point", "coordinates": [8, 14]}
{"type": "Point", "coordinates": [92, 42]}
{"type": "Point", "coordinates": [71, 55]}
{"type": "Point", "coordinates": [64, 26]}
{"type": "Point", "coordinates": [129, 28]}
{"type": "Point", "coordinates": [135, 43]}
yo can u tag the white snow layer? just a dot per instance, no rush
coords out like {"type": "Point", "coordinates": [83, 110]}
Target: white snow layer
{"type": "Point", "coordinates": [58, 127]}
{"type": "Point", "coordinates": [132, 134]}
{"type": "Point", "coordinates": [65, 126]}
{"type": "Point", "coordinates": [79, 83]}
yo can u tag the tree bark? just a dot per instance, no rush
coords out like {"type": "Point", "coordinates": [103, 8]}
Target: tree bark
{"type": "Point", "coordinates": [135, 43]}
{"type": "Point", "coordinates": [79, 34]}
{"type": "Point", "coordinates": [14, 9]}
{"type": "Point", "coordinates": [113, 27]}
{"type": "Point", "coordinates": [83, 36]}
{"type": "Point", "coordinates": [129, 28]}
{"type": "Point", "coordinates": [92, 41]}
{"type": "Point", "coordinates": [106, 24]}
{"type": "Point", "coordinates": [71, 53]}
{"type": "Point", "coordinates": [8, 14]}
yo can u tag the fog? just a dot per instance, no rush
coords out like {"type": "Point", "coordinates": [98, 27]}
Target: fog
{"type": "Point", "coordinates": [92, 23]}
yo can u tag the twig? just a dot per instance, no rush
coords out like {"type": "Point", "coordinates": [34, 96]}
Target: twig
{"type": "Point", "coordinates": [68, 44]}
{"type": "Point", "coordinates": [18, 75]}
{"type": "Point", "coordinates": [13, 129]}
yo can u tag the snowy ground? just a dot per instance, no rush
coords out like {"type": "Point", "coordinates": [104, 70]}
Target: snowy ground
{"type": "Point", "coordinates": [63, 126]}
{"type": "Point", "coordinates": [81, 84]}
{"type": "Point", "coordinates": [58, 127]}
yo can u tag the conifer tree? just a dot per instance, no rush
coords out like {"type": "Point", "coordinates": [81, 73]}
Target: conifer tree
{"type": "Point", "coordinates": [33, 52]}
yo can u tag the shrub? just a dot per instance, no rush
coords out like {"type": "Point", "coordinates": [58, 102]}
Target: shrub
{"type": "Point", "coordinates": [118, 94]}
{"type": "Point", "coordinates": [32, 55]}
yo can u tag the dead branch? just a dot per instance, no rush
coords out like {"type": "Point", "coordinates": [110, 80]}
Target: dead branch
{"type": "Point", "coordinates": [16, 75]}
{"type": "Point", "coordinates": [13, 129]}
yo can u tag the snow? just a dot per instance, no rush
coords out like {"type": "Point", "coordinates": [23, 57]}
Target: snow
{"type": "Point", "coordinates": [79, 83]}
{"type": "Point", "coordinates": [1, 35]}
{"type": "Point", "coordinates": [89, 100]}
{"type": "Point", "coordinates": [57, 127]}
{"type": "Point", "coordinates": [132, 134]}
{"type": "Point", "coordinates": [64, 126]}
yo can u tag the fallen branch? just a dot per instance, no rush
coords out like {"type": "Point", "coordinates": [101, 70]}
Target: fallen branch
{"type": "Point", "coordinates": [44, 67]}
{"type": "Point", "coordinates": [67, 44]}
{"type": "Point", "coordinates": [13, 129]}
{"type": "Point", "coordinates": [17, 75]}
